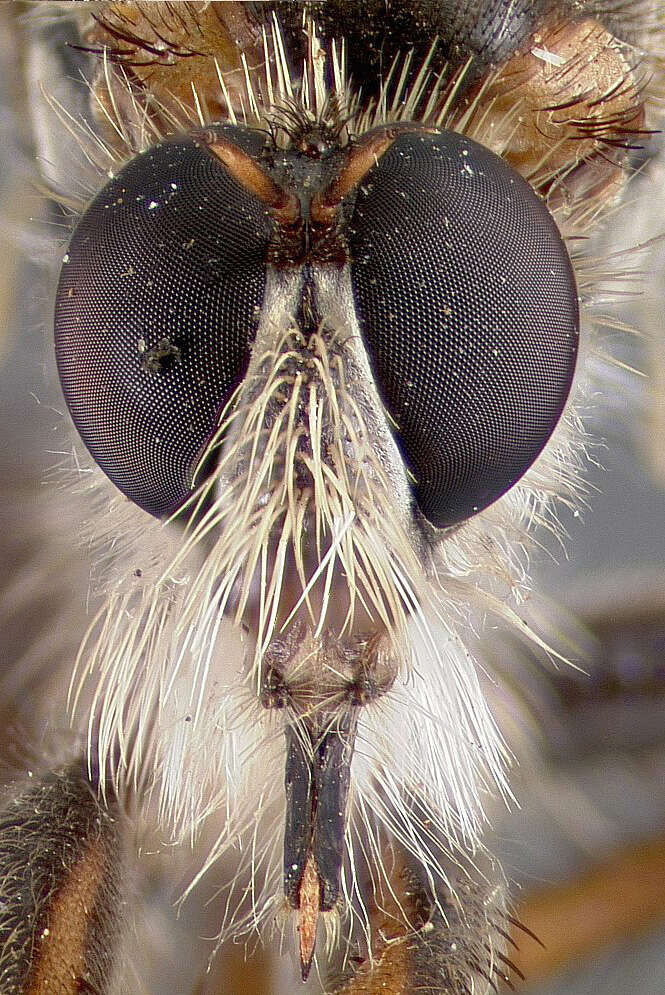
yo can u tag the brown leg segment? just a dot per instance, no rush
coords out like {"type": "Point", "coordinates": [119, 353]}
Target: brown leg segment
{"type": "Point", "coordinates": [452, 945]}
{"type": "Point", "coordinates": [59, 882]}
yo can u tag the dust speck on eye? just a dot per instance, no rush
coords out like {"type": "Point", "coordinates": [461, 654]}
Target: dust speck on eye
{"type": "Point", "coordinates": [160, 358]}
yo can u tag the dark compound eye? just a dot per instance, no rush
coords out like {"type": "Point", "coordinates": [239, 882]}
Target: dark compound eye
{"type": "Point", "coordinates": [464, 290]}
{"type": "Point", "coordinates": [157, 305]}
{"type": "Point", "coordinates": [469, 310]}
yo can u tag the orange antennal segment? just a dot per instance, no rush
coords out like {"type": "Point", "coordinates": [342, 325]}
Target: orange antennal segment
{"type": "Point", "coordinates": [284, 206]}
{"type": "Point", "coordinates": [362, 157]}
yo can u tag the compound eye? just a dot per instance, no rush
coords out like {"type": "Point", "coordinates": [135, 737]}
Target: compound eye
{"type": "Point", "coordinates": [469, 310]}
{"type": "Point", "coordinates": [157, 305]}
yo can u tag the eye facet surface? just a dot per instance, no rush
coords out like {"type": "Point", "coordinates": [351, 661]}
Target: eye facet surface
{"type": "Point", "coordinates": [157, 304]}
{"type": "Point", "coordinates": [469, 310]}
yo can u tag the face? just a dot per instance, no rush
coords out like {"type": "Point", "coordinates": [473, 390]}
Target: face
{"type": "Point", "coordinates": [318, 325]}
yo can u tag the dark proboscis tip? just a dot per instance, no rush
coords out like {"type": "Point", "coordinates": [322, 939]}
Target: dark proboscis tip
{"type": "Point", "coordinates": [317, 786]}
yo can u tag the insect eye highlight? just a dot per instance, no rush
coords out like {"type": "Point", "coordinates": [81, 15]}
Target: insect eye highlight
{"type": "Point", "coordinates": [158, 301]}
{"type": "Point", "coordinates": [469, 310]}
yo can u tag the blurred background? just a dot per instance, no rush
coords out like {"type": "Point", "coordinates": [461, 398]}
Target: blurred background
{"type": "Point", "coordinates": [586, 847]}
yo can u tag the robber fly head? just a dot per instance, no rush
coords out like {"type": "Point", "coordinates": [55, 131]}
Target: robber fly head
{"type": "Point", "coordinates": [315, 352]}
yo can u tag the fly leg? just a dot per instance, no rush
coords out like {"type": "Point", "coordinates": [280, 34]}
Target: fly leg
{"type": "Point", "coordinates": [60, 894]}
{"type": "Point", "coordinates": [450, 941]}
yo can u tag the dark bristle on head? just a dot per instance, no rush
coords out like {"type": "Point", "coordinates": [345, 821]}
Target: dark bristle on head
{"type": "Point", "coordinates": [306, 132]}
